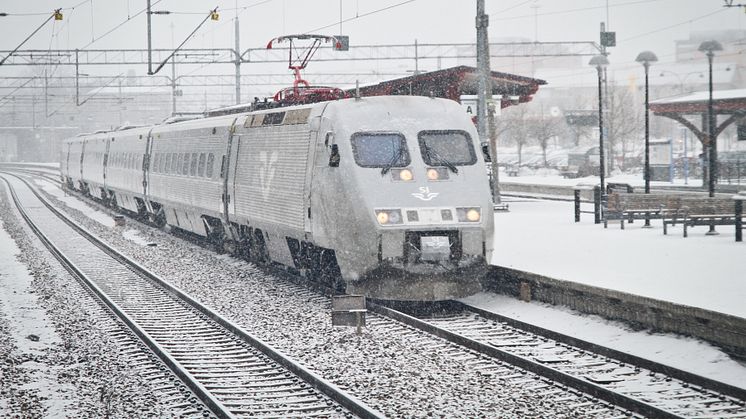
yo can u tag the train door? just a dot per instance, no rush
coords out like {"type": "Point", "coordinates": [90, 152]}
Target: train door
{"type": "Point", "coordinates": [82, 158]}
{"type": "Point", "coordinates": [66, 172]}
{"type": "Point", "coordinates": [146, 158]}
{"type": "Point", "coordinates": [227, 174]}
{"type": "Point", "coordinates": [106, 162]}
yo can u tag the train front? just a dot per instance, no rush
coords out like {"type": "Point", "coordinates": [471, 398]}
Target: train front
{"type": "Point", "coordinates": [412, 171]}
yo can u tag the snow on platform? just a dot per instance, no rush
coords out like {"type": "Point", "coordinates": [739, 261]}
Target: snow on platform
{"type": "Point", "coordinates": [701, 271]}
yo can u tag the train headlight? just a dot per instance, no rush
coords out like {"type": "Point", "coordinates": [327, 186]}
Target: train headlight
{"type": "Point", "coordinates": [406, 175]}
{"type": "Point", "coordinates": [389, 216]}
{"type": "Point", "coordinates": [437, 173]}
{"type": "Point", "coordinates": [469, 215]}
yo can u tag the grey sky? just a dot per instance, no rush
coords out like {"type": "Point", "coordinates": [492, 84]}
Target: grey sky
{"type": "Point", "coordinates": [651, 24]}
{"type": "Point", "coordinates": [425, 20]}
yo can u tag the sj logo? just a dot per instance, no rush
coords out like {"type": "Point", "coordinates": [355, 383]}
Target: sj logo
{"type": "Point", "coordinates": [266, 172]}
{"type": "Point", "coordinates": [425, 194]}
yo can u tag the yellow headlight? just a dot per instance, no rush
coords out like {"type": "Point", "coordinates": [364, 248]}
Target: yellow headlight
{"type": "Point", "coordinates": [405, 175]}
{"type": "Point", "coordinates": [472, 215]}
{"type": "Point", "coordinates": [432, 174]}
{"type": "Point", "coordinates": [383, 217]}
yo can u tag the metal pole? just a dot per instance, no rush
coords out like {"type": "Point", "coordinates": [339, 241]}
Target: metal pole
{"type": "Point", "coordinates": [238, 63]}
{"type": "Point", "coordinates": [173, 86]}
{"type": "Point", "coordinates": [46, 94]}
{"type": "Point", "coordinates": [647, 139]}
{"type": "Point", "coordinates": [77, 79]}
{"type": "Point", "coordinates": [485, 117]}
{"type": "Point", "coordinates": [711, 133]}
{"type": "Point", "coordinates": [416, 58]}
{"type": "Point", "coordinates": [482, 21]}
{"type": "Point", "coordinates": [647, 134]}
{"type": "Point", "coordinates": [602, 165]}
{"type": "Point", "coordinates": [686, 159]}
{"type": "Point", "coordinates": [739, 220]}
{"type": "Point", "coordinates": [150, 42]}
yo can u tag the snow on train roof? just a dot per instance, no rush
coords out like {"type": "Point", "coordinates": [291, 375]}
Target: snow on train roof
{"type": "Point", "coordinates": [363, 113]}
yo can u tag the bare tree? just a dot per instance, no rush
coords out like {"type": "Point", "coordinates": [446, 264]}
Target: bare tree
{"type": "Point", "coordinates": [514, 126]}
{"type": "Point", "coordinates": [543, 128]}
{"type": "Point", "coordinates": [624, 122]}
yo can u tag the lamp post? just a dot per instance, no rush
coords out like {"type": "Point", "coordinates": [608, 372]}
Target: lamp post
{"type": "Point", "coordinates": [709, 48]}
{"type": "Point", "coordinates": [600, 62]}
{"type": "Point", "coordinates": [646, 58]}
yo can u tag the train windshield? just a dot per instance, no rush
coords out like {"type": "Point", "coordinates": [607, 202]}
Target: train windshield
{"type": "Point", "coordinates": [374, 149]}
{"type": "Point", "coordinates": [446, 148]}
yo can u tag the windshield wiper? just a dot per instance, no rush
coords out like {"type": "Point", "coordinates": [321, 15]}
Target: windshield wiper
{"type": "Point", "coordinates": [393, 161]}
{"type": "Point", "coordinates": [433, 155]}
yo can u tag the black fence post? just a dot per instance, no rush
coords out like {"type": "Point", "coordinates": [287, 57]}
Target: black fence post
{"type": "Point", "coordinates": [597, 205]}
{"type": "Point", "coordinates": [739, 221]}
{"type": "Point", "coordinates": [577, 205]}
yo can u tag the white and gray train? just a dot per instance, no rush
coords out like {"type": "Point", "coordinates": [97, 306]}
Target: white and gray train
{"type": "Point", "coordinates": [387, 196]}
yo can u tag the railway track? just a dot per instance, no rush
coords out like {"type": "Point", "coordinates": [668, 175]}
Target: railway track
{"type": "Point", "coordinates": [227, 369]}
{"type": "Point", "coordinates": [640, 385]}
{"type": "Point", "coordinates": [497, 345]}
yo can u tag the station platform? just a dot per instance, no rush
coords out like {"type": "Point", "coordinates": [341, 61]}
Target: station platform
{"type": "Point", "coordinates": [702, 271]}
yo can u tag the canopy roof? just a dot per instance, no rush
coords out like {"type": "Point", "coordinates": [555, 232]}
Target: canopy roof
{"type": "Point", "coordinates": [453, 82]}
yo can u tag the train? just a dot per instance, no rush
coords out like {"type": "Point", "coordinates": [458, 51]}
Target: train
{"type": "Point", "coordinates": [382, 196]}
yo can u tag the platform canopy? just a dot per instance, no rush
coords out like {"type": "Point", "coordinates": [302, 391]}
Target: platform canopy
{"type": "Point", "coordinates": [452, 83]}
{"type": "Point", "coordinates": [730, 103]}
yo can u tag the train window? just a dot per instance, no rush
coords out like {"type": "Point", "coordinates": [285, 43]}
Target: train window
{"type": "Point", "coordinates": [179, 158]}
{"type": "Point", "coordinates": [167, 165]}
{"type": "Point", "coordinates": [185, 164]}
{"type": "Point", "coordinates": [380, 149]}
{"type": "Point", "coordinates": [193, 167]}
{"type": "Point", "coordinates": [210, 164]}
{"type": "Point", "coordinates": [446, 148]}
{"type": "Point", "coordinates": [201, 167]}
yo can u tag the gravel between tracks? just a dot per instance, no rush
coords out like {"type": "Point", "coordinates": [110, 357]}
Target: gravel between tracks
{"type": "Point", "coordinates": [82, 373]}
{"type": "Point", "coordinates": [401, 378]}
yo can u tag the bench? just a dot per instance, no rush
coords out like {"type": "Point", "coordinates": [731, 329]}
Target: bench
{"type": "Point", "coordinates": [701, 212]}
{"type": "Point", "coordinates": [628, 207]}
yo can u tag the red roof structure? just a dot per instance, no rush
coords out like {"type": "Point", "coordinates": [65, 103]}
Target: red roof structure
{"type": "Point", "coordinates": [731, 103]}
{"type": "Point", "coordinates": [453, 82]}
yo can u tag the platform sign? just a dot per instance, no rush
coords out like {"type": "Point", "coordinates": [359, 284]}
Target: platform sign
{"type": "Point", "coordinates": [469, 103]}
{"type": "Point", "coordinates": [660, 152]}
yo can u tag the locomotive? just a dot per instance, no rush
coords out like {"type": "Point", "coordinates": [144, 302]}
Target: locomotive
{"type": "Point", "coordinates": [382, 196]}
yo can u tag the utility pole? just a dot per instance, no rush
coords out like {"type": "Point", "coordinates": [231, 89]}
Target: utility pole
{"type": "Point", "coordinates": [173, 86]}
{"type": "Point", "coordinates": [150, 43]}
{"type": "Point", "coordinates": [77, 79]}
{"type": "Point", "coordinates": [485, 117]}
{"type": "Point", "coordinates": [238, 64]}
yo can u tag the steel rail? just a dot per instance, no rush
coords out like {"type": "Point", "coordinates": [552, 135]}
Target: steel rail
{"type": "Point", "coordinates": [205, 397]}
{"type": "Point", "coordinates": [588, 387]}
{"type": "Point", "coordinates": [657, 367]}
{"type": "Point", "coordinates": [344, 399]}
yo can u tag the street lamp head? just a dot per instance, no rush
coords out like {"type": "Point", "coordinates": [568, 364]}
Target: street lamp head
{"type": "Point", "coordinates": [709, 47]}
{"type": "Point", "coordinates": [646, 58]}
{"type": "Point", "coordinates": [599, 61]}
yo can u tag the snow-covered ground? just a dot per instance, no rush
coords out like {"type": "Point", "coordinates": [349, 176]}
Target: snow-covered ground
{"type": "Point", "coordinates": [541, 237]}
